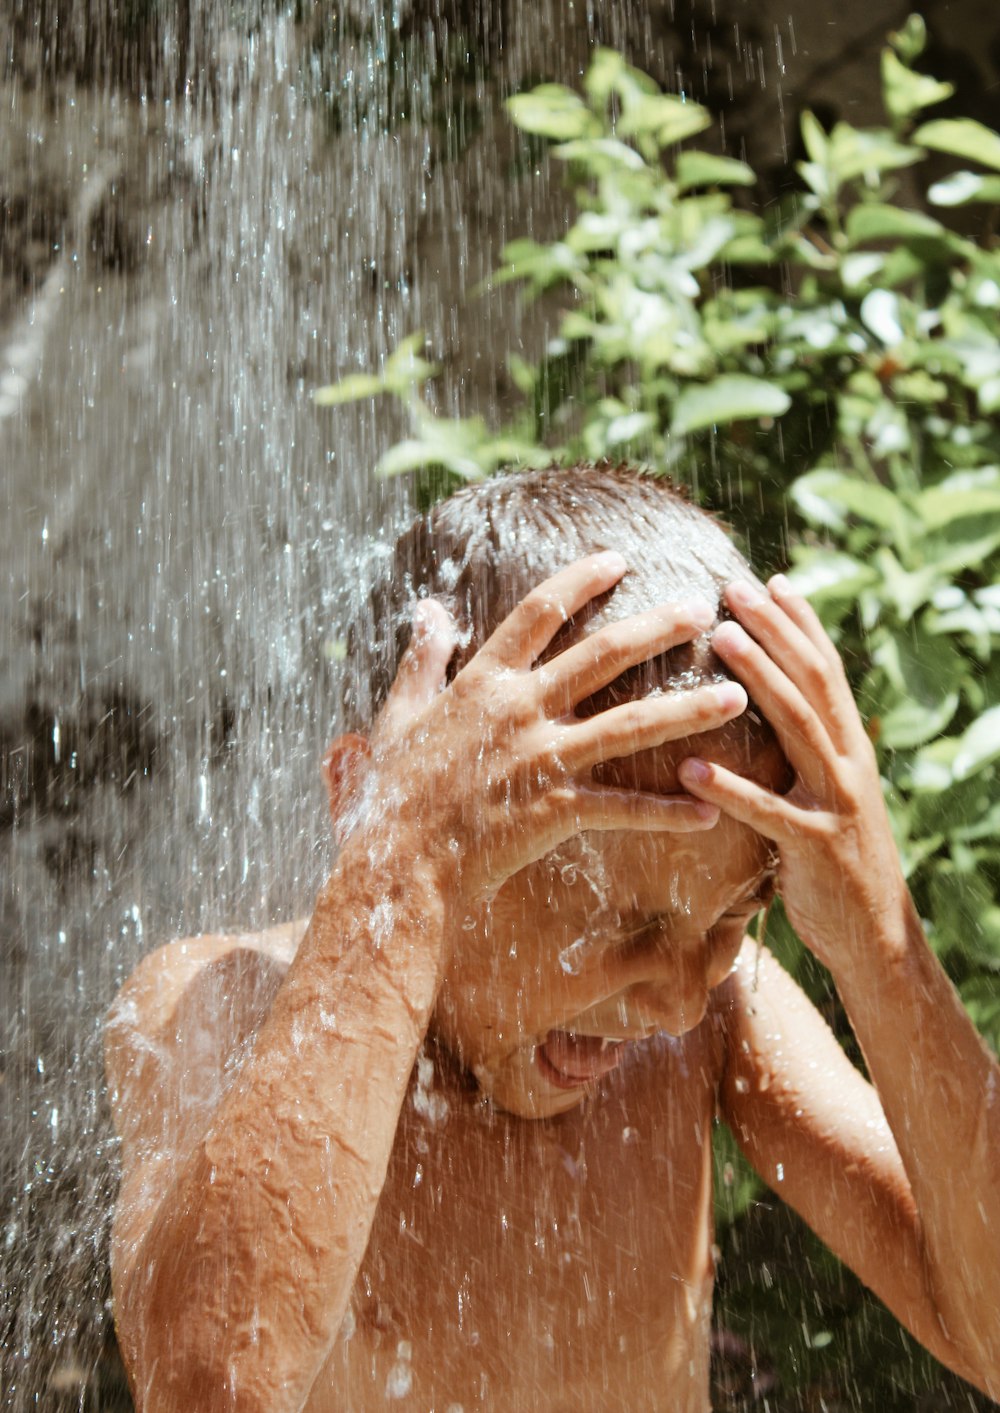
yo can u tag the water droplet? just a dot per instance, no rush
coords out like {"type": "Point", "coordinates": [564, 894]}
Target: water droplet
{"type": "Point", "coordinates": [572, 958]}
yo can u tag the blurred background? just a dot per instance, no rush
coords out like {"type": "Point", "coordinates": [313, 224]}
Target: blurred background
{"type": "Point", "coordinates": [207, 210]}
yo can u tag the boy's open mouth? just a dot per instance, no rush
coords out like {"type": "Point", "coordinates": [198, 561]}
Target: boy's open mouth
{"type": "Point", "coordinates": [568, 1060]}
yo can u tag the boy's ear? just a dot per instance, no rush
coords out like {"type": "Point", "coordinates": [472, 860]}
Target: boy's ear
{"type": "Point", "coordinates": [343, 768]}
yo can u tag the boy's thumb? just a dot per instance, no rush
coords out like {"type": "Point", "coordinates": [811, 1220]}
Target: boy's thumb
{"type": "Point", "coordinates": [425, 663]}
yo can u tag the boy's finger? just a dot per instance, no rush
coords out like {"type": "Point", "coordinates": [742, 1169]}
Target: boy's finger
{"type": "Point", "coordinates": [801, 732]}
{"type": "Point", "coordinates": [772, 815]}
{"type": "Point", "coordinates": [424, 664]}
{"type": "Point", "coordinates": [609, 809]}
{"type": "Point", "coordinates": [599, 659]}
{"type": "Point", "coordinates": [805, 617]}
{"type": "Point", "coordinates": [650, 722]}
{"type": "Point", "coordinates": [820, 680]}
{"type": "Point", "coordinates": [532, 625]}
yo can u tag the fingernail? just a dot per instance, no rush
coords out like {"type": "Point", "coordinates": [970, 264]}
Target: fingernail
{"type": "Point", "coordinates": [706, 811]}
{"type": "Point", "coordinates": [730, 636]}
{"type": "Point", "coordinates": [744, 594]}
{"type": "Point", "coordinates": [731, 696]}
{"type": "Point", "coordinates": [612, 561]}
{"type": "Point", "coordinates": [699, 612]}
{"type": "Point", "coordinates": [695, 769]}
{"type": "Point", "coordinates": [780, 583]}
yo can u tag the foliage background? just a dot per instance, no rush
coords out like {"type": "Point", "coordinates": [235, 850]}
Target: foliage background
{"type": "Point", "coordinates": [825, 369]}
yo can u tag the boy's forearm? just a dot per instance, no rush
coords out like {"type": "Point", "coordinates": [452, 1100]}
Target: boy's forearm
{"type": "Point", "coordinates": [940, 1089]}
{"type": "Point", "coordinates": [243, 1279]}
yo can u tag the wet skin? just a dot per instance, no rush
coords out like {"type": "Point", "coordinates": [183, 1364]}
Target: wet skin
{"type": "Point", "coordinates": [617, 936]}
{"type": "Point", "coordinates": [572, 1254]}
{"type": "Point", "coordinates": [300, 1226]}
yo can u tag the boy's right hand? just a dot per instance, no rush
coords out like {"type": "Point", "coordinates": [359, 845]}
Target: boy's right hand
{"type": "Point", "coordinates": [493, 770]}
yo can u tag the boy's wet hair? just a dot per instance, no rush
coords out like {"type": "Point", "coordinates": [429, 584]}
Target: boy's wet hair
{"type": "Point", "coordinates": [483, 549]}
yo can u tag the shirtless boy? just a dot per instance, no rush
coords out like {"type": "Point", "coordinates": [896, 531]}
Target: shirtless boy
{"type": "Point", "coordinates": [447, 1145]}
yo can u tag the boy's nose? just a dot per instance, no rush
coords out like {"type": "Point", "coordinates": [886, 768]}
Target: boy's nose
{"type": "Point", "coordinates": [675, 1007]}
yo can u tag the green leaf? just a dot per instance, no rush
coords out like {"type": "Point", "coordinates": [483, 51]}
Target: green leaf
{"type": "Point", "coordinates": [609, 73]}
{"type": "Point", "coordinates": [827, 497]}
{"type": "Point", "coordinates": [405, 366]}
{"type": "Point", "coordinates": [978, 745]}
{"type": "Point", "coordinates": [814, 138]}
{"type": "Point", "coordinates": [925, 673]}
{"type": "Point", "coordinates": [828, 576]}
{"type": "Point", "coordinates": [353, 388]}
{"type": "Point", "coordinates": [906, 590]}
{"type": "Point", "coordinates": [964, 493]}
{"type": "Point", "coordinates": [961, 545]}
{"type": "Point", "coordinates": [963, 188]}
{"type": "Point", "coordinates": [554, 111]}
{"type": "Point", "coordinates": [703, 169]}
{"type": "Point", "coordinates": [910, 40]}
{"type": "Point", "coordinates": [881, 314]}
{"type": "Point", "coordinates": [600, 154]}
{"type": "Point", "coordinates": [906, 92]}
{"type": "Point", "coordinates": [875, 221]}
{"type": "Point", "coordinates": [856, 270]}
{"type": "Point", "coordinates": [911, 723]}
{"type": "Point", "coordinates": [731, 398]}
{"type": "Point", "coordinates": [628, 427]}
{"type": "Point", "coordinates": [961, 137]}
{"type": "Point", "coordinates": [543, 265]}
{"type": "Point", "coordinates": [407, 455]}
{"type": "Point", "coordinates": [866, 152]}
{"type": "Point", "coordinates": [663, 116]}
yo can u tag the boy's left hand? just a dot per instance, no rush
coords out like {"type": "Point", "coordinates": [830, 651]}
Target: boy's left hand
{"type": "Point", "coordinates": [839, 871]}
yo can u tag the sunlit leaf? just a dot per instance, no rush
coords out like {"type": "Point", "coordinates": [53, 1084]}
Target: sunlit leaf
{"type": "Point", "coordinates": [910, 723]}
{"type": "Point", "coordinates": [965, 493]}
{"type": "Point", "coordinates": [925, 673]}
{"type": "Point", "coordinates": [600, 154]}
{"type": "Point", "coordinates": [552, 111]}
{"type": "Point", "coordinates": [814, 138]}
{"type": "Point", "coordinates": [628, 427]}
{"type": "Point", "coordinates": [880, 313]}
{"type": "Point", "coordinates": [979, 745]}
{"type": "Point", "coordinates": [910, 40]}
{"type": "Point", "coordinates": [731, 398]}
{"type": "Point", "coordinates": [906, 92]}
{"type": "Point", "coordinates": [962, 188]}
{"type": "Point", "coordinates": [876, 221]}
{"type": "Point", "coordinates": [961, 137]}
{"type": "Point", "coordinates": [865, 152]}
{"type": "Point", "coordinates": [665, 117]}
{"type": "Point", "coordinates": [829, 576]}
{"type": "Point", "coordinates": [827, 497]}
{"type": "Point", "coordinates": [406, 366]}
{"type": "Point", "coordinates": [609, 73]}
{"type": "Point", "coordinates": [353, 388]}
{"type": "Point", "coordinates": [704, 169]}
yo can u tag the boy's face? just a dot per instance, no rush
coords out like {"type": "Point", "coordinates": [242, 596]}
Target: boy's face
{"type": "Point", "coordinates": [605, 942]}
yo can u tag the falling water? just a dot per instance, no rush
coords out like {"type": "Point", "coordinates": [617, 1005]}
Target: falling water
{"type": "Point", "coordinates": [208, 210]}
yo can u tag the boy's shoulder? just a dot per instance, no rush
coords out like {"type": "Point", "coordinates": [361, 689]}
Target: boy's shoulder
{"type": "Point", "coordinates": [193, 999]}
{"type": "Point", "coordinates": [149, 998]}
{"type": "Point", "coordinates": [153, 991]}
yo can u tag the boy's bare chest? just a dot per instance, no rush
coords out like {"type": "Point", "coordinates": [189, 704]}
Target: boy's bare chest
{"type": "Point", "coordinates": [542, 1265]}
